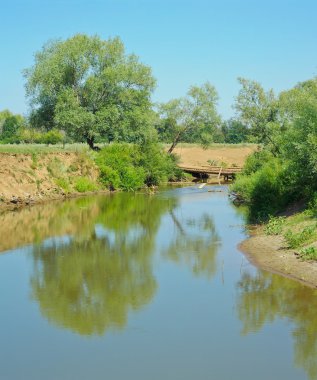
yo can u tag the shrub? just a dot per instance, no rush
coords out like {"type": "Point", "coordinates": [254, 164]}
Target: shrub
{"type": "Point", "coordinates": [129, 167]}
{"type": "Point", "coordinates": [256, 161]}
{"type": "Point", "coordinates": [275, 225]}
{"type": "Point", "coordinates": [295, 240]}
{"type": "Point", "coordinates": [53, 137]}
{"type": "Point", "coordinates": [119, 167]}
{"type": "Point", "coordinates": [309, 253]}
{"type": "Point", "coordinates": [84, 184]}
{"type": "Point", "coordinates": [267, 190]}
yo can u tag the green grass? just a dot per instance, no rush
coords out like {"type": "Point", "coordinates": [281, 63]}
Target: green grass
{"type": "Point", "coordinates": [299, 231]}
{"type": "Point", "coordinates": [42, 148]}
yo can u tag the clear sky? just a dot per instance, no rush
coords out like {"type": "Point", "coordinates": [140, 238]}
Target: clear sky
{"type": "Point", "coordinates": [184, 41]}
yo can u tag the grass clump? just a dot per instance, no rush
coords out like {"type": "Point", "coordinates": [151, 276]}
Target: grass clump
{"type": "Point", "coordinates": [84, 184]}
{"type": "Point", "coordinates": [56, 168]}
{"type": "Point", "coordinates": [64, 184]}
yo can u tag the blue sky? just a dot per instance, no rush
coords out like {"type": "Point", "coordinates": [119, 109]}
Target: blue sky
{"type": "Point", "coordinates": [185, 42]}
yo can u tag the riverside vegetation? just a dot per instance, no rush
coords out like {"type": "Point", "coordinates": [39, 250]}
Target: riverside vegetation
{"type": "Point", "coordinates": [86, 89]}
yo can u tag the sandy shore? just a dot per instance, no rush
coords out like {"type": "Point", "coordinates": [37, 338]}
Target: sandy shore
{"type": "Point", "coordinates": [270, 253]}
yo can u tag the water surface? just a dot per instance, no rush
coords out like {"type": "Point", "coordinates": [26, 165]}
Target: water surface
{"type": "Point", "coordinates": [136, 286]}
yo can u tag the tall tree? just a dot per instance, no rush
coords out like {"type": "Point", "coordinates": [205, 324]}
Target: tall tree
{"type": "Point", "coordinates": [89, 87]}
{"type": "Point", "coordinates": [258, 110]}
{"type": "Point", "coordinates": [194, 116]}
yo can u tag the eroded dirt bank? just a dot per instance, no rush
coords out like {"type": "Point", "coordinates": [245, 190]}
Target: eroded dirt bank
{"type": "Point", "coordinates": [270, 253]}
{"type": "Point", "coordinates": [33, 178]}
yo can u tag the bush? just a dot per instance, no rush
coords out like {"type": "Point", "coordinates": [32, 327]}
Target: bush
{"type": "Point", "coordinates": [129, 167]}
{"type": "Point", "coordinates": [295, 240]}
{"type": "Point", "coordinates": [119, 167]}
{"type": "Point", "coordinates": [84, 184]}
{"type": "Point", "coordinates": [52, 137]}
{"type": "Point", "coordinates": [275, 225]}
{"type": "Point", "coordinates": [268, 189]}
{"type": "Point", "coordinates": [309, 253]}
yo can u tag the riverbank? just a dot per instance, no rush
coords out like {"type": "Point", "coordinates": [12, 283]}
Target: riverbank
{"type": "Point", "coordinates": [39, 177]}
{"type": "Point", "coordinates": [271, 253]}
{"type": "Point", "coordinates": [32, 174]}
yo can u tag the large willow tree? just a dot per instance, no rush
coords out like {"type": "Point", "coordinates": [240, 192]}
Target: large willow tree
{"type": "Point", "coordinates": [90, 87]}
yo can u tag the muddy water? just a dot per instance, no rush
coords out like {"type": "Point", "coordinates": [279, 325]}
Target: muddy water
{"type": "Point", "coordinates": [132, 286]}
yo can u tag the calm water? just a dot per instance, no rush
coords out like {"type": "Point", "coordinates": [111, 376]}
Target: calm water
{"type": "Point", "coordinates": [146, 287]}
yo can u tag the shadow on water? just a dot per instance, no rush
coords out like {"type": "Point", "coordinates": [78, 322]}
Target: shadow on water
{"type": "Point", "coordinates": [264, 297]}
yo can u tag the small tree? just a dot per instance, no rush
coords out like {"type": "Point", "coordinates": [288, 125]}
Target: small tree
{"type": "Point", "coordinates": [10, 125]}
{"type": "Point", "coordinates": [194, 116]}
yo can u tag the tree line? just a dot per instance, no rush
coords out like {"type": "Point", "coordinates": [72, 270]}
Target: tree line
{"type": "Point", "coordinates": [89, 90]}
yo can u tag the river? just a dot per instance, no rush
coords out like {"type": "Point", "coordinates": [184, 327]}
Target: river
{"type": "Point", "coordinates": [146, 287]}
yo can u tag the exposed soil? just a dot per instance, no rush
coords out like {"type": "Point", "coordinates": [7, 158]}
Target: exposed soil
{"type": "Point", "coordinates": [27, 179]}
{"type": "Point", "coordinates": [270, 253]}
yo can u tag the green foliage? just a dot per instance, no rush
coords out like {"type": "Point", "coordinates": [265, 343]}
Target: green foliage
{"type": "Point", "coordinates": [267, 190]}
{"type": "Point", "coordinates": [90, 88]}
{"type": "Point", "coordinates": [193, 118]}
{"type": "Point", "coordinates": [287, 128]}
{"type": "Point", "coordinates": [257, 110]}
{"type": "Point", "coordinates": [308, 253]}
{"type": "Point", "coordinates": [84, 184]}
{"type": "Point", "coordinates": [255, 161]}
{"type": "Point", "coordinates": [10, 126]}
{"type": "Point", "coordinates": [274, 225]}
{"type": "Point", "coordinates": [313, 205]}
{"type": "Point", "coordinates": [158, 166]}
{"type": "Point", "coordinates": [119, 167]}
{"type": "Point", "coordinates": [52, 137]}
{"type": "Point", "coordinates": [129, 167]}
{"type": "Point", "coordinates": [234, 132]}
{"type": "Point", "coordinates": [295, 240]}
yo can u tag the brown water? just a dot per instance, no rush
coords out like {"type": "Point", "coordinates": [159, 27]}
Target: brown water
{"type": "Point", "coordinates": [132, 286]}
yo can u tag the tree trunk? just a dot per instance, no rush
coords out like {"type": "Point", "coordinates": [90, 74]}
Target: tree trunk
{"type": "Point", "coordinates": [175, 142]}
{"type": "Point", "coordinates": [91, 143]}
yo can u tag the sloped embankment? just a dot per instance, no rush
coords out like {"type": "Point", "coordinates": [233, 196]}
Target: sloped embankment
{"type": "Point", "coordinates": [31, 178]}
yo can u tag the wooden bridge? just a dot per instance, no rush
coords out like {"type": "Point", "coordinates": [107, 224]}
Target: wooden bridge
{"type": "Point", "coordinates": [206, 170]}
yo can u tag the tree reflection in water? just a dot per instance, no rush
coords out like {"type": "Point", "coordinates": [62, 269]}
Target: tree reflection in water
{"type": "Point", "coordinates": [264, 297]}
{"type": "Point", "coordinates": [195, 244]}
{"type": "Point", "coordinates": [90, 283]}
